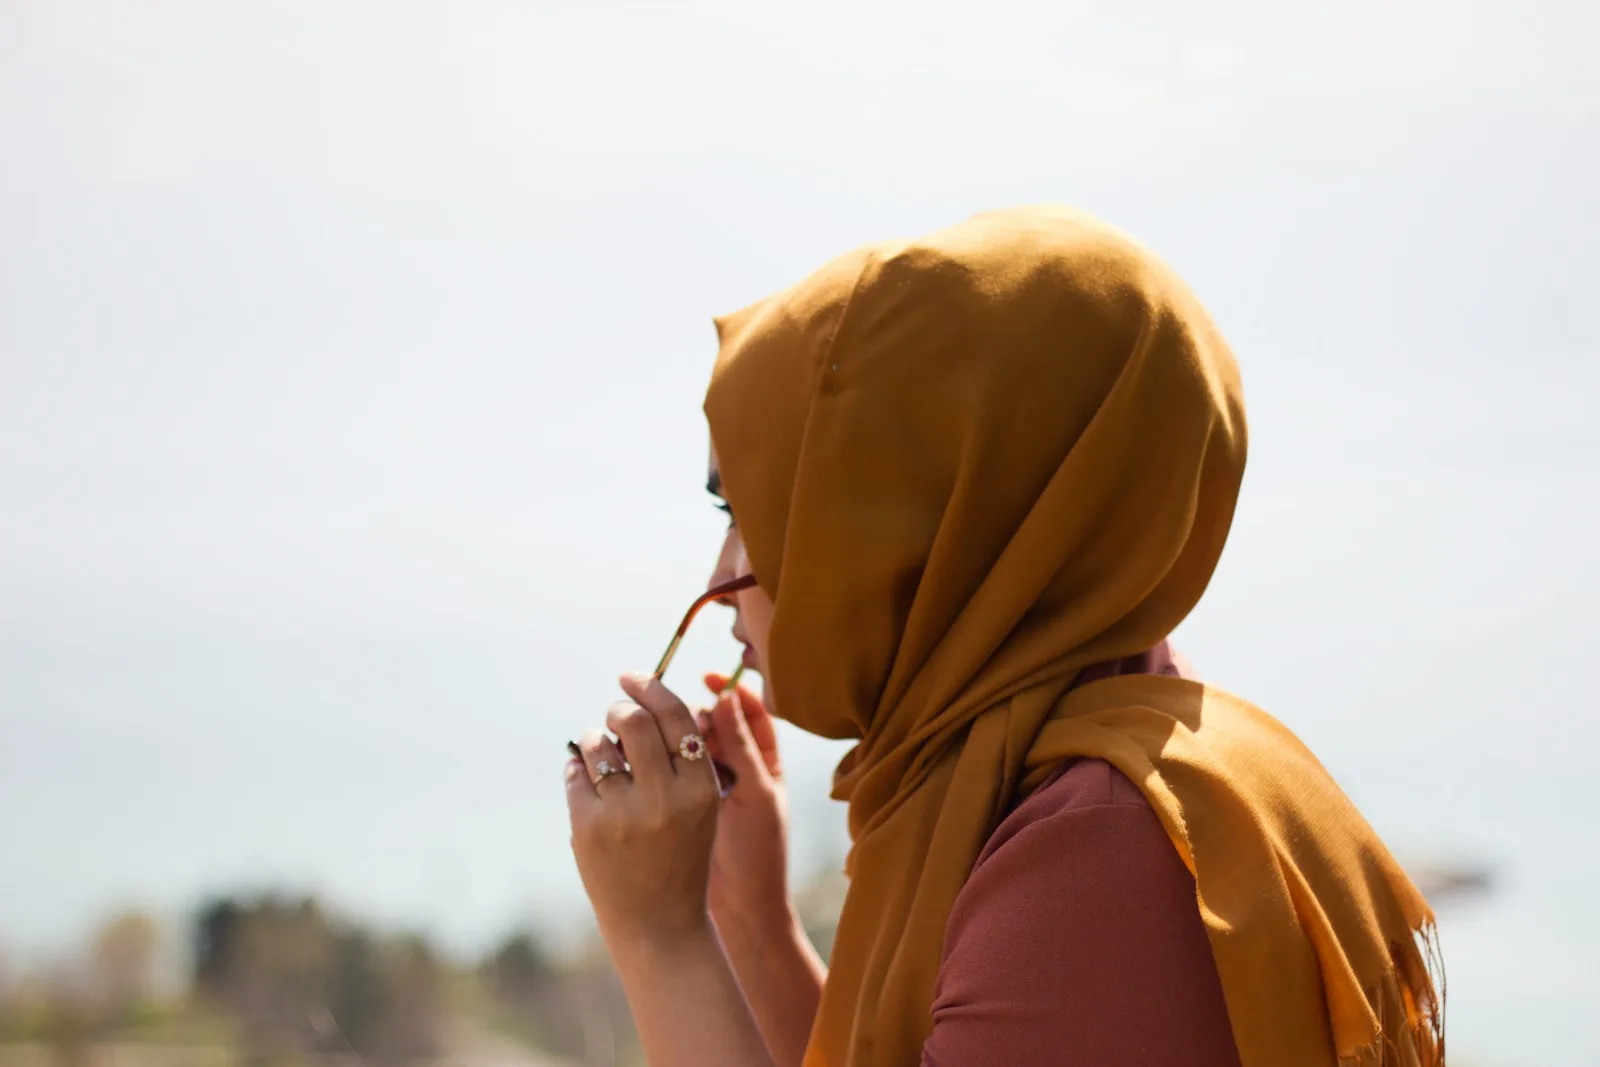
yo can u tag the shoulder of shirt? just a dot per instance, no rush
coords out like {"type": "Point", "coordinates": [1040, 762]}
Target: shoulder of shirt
{"type": "Point", "coordinates": [1082, 789]}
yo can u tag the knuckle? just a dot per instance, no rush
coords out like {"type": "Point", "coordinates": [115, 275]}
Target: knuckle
{"type": "Point", "coordinates": [668, 702]}
{"type": "Point", "coordinates": [627, 716]}
{"type": "Point", "coordinates": [696, 796]}
{"type": "Point", "coordinates": [617, 824]}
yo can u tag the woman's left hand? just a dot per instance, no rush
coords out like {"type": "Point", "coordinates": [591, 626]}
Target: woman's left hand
{"type": "Point", "coordinates": [643, 836]}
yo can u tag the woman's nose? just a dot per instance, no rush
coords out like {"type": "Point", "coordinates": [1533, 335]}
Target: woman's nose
{"type": "Point", "coordinates": [727, 568]}
{"type": "Point", "coordinates": [721, 576]}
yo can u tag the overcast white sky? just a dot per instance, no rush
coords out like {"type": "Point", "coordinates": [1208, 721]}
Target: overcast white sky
{"type": "Point", "coordinates": [350, 445]}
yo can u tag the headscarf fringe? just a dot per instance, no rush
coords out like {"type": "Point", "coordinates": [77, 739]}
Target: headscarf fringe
{"type": "Point", "coordinates": [1414, 992]}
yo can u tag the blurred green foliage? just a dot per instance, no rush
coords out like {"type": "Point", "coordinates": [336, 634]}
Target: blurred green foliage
{"type": "Point", "coordinates": [273, 980]}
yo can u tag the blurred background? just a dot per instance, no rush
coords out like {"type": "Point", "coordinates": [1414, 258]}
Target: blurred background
{"type": "Point", "coordinates": [351, 358]}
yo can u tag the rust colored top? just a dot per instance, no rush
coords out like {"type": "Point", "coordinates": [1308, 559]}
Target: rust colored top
{"type": "Point", "coordinates": [1077, 939]}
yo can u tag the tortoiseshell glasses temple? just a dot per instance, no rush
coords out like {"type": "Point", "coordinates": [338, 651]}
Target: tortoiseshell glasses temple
{"type": "Point", "coordinates": [715, 593]}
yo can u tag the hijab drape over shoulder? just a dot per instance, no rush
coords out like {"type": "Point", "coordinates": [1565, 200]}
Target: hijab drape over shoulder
{"type": "Point", "coordinates": [965, 468]}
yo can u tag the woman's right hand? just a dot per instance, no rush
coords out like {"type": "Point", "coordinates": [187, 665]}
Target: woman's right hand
{"type": "Point", "coordinates": [777, 966]}
{"type": "Point", "coordinates": [749, 893]}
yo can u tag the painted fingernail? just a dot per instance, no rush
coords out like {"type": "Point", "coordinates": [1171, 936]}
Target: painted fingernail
{"type": "Point", "coordinates": [572, 747]}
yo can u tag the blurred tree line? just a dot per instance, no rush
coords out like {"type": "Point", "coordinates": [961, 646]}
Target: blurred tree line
{"type": "Point", "coordinates": [275, 980]}
{"type": "Point", "coordinates": [294, 980]}
{"type": "Point", "coordinates": [281, 981]}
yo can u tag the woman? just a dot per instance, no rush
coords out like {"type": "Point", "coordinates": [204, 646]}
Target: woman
{"type": "Point", "coordinates": [978, 479]}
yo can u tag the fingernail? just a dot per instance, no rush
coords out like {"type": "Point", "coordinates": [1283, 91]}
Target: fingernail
{"type": "Point", "coordinates": [572, 747]}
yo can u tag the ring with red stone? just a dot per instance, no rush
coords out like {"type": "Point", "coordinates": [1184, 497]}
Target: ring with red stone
{"type": "Point", "coordinates": [692, 747]}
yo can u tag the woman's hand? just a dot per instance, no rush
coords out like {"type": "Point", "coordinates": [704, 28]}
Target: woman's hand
{"type": "Point", "coordinates": [779, 970]}
{"type": "Point", "coordinates": [643, 837]}
{"type": "Point", "coordinates": [749, 889]}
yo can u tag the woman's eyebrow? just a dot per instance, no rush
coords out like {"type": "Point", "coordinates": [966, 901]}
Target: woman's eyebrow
{"type": "Point", "coordinates": [714, 483]}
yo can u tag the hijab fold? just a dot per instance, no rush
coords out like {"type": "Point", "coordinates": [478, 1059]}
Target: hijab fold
{"type": "Point", "coordinates": [966, 468]}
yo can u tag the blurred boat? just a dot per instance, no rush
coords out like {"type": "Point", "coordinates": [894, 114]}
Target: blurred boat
{"type": "Point", "coordinates": [1442, 882]}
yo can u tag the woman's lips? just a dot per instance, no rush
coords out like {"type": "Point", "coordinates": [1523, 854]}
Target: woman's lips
{"type": "Point", "coordinates": [750, 660]}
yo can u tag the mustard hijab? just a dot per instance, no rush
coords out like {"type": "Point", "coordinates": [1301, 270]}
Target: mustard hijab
{"type": "Point", "coordinates": [966, 467]}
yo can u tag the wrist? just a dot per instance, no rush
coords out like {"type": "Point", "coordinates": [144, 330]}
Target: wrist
{"type": "Point", "coordinates": [659, 941]}
{"type": "Point", "coordinates": [759, 927]}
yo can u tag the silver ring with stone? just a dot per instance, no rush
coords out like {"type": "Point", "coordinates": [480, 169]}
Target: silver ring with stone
{"type": "Point", "coordinates": [604, 769]}
{"type": "Point", "coordinates": [692, 748]}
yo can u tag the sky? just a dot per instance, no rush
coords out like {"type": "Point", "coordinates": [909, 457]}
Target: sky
{"type": "Point", "coordinates": [351, 359]}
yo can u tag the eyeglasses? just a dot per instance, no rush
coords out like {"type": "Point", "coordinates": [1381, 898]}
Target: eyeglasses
{"type": "Point", "coordinates": [715, 593]}
{"type": "Point", "coordinates": [725, 775]}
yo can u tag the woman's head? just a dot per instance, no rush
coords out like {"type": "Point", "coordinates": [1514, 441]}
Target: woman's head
{"type": "Point", "coordinates": [990, 456]}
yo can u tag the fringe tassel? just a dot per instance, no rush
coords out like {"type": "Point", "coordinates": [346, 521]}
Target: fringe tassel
{"type": "Point", "coordinates": [1408, 1004]}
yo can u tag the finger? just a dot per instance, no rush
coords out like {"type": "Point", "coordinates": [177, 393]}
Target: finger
{"type": "Point", "coordinates": [763, 730]}
{"type": "Point", "coordinates": [717, 682]}
{"type": "Point", "coordinates": [736, 747]}
{"type": "Point", "coordinates": [580, 790]}
{"type": "Point", "coordinates": [757, 720]}
{"type": "Point", "coordinates": [603, 762]}
{"type": "Point", "coordinates": [705, 721]}
{"type": "Point", "coordinates": [727, 777]}
{"type": "Point", "coordinates": [641, 738]}
{"type": "Point", "coordinates": [749, 699]}
{"type": "Point", "coordinates": [673, 718]}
